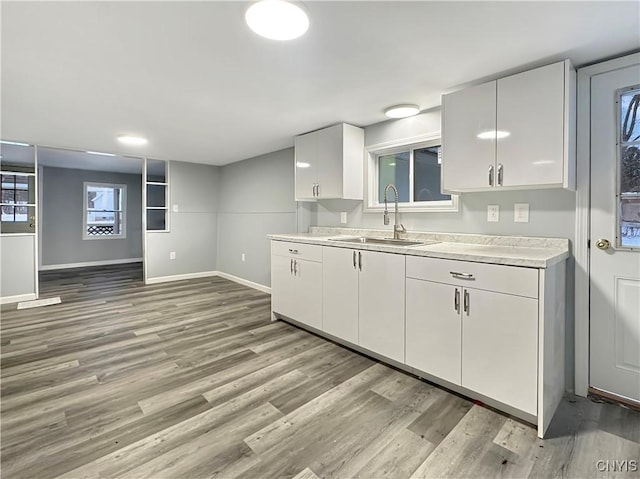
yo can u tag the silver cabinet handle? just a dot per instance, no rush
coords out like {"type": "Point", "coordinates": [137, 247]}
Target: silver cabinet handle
{"type": "Point", "coordinates": [360, 260]}
{"type": "Point", "coordinates": [490, 175]}
{"type": "Point", "coordinates": [293, 251]}
{"type": "Point", "coordinates": [466, 302]}
{"type": "Point", "coordinates": [291, 266]}
{"type": "Point", "coordinates": [314, 189]}
{"type": "Point", "coordinates": [500, 169]}
{"type": "Point", "coordinates": [354, 260]}
{"type": "Point", "coordinates": [295, 267]}
{"type": "Point", "coordinates": [455, 274]}
{"type": "Point", "coordinates": [318, 190]}
{"type": "Point", "coordinates": [456, 300]}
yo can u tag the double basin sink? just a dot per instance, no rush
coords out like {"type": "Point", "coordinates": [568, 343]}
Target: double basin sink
{"type": "Point", "coordinates": [381, 241]}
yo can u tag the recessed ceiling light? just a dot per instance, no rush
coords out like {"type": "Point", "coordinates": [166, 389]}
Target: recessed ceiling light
{"type": "Point", "coordinates": [132, 140]}
{"type": "Point", "coordinates": [491, 134]}
{"type": "Point", "coordinates": [277, 19]}
{"type": "Point", "coordinates": [402, 111]}
{"type": "Point", "coordinates": [100, 153]}
{"type": "Point", "coordinates": [15, 143]}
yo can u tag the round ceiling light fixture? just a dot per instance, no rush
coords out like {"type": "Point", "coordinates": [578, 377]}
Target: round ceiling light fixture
{"type": "Point", "coordinates": [277, 19]}
{"type": "Point", "coordinates": [132, 140]}
{"type": "Point", "coordinates": [402, 111]}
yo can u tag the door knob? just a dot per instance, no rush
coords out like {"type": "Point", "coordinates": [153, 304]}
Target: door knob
{"type": "Point", "coordinates": [603, 244]}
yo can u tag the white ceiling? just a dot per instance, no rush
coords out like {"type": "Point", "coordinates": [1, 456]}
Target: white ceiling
{"type": "Point", "coordinates": [194, 80]}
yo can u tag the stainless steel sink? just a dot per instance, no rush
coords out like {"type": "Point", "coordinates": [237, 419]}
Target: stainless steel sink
{"type": "Point", "coordinates": [385, 241]}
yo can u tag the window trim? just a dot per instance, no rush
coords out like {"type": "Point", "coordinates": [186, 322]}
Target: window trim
{"type": "Point", "coordinates": [123, 211]}
{"type": "Point", "coordinates": [371, 176]}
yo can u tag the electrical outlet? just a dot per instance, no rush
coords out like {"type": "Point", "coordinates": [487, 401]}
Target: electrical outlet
{"type": "Point", "coordinates": [243, 258]}
{"type": "Point", "coordinates": [343, 217]}
{"type": "Point", "coordinates": [521, 212]}
{"type": "Point", "coordinates": [175, 208]}
{"type": "Point", "coordinates": [493, 213]}
{"type": "Point", "coordinates": [172, 255]}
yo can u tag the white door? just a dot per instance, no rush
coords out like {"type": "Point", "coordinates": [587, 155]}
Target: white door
{"type": "Point", "coordinates": [329, 159]}
{"type": "Point", "coordinates": [340, 293]}
{"type": "Point", "coordinates": [615, 233]}
{"type": "Point", "coordinates": [307, 294]}
{"type": "Point", "coordinates": [282, 286]}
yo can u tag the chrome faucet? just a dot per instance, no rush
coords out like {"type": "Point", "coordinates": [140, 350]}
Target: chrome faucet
{"type": "Point", "coordinates": [397, 227]}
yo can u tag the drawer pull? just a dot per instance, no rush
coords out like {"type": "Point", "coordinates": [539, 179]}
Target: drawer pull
{"type": "Point", "coordinates": [455, 274]}
{"type": "Point", "coordinates": [293, 251]}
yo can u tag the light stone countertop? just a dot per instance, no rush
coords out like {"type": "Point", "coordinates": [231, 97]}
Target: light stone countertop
{"type": "Point", "coordinates": [507, 250]}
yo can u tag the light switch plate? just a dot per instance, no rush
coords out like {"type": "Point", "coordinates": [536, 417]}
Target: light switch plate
{"type": "Point", "coordinates": [521, 212]}
{"type": "Point", "coordinates": [343, 217]}
{"type": "Point", "coordinates": [493, 213]}
{"type": "Point", "coordinates": [172, 255]}
{"type": "Point", "coordinates": [175, 208]}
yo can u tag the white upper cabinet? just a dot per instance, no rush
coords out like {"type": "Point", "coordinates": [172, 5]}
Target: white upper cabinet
{"type": "Point", "coordinates": [514, 133]}
{"type": "Point", "coordinates": [329, 163]}
{"type": "Point", "coordinates": [468, 157]}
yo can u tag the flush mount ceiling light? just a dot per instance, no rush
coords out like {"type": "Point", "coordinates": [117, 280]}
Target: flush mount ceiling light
{"type": "Point", "coordinates": [132, 140]}
{"type": "Point", "coordinates": [277, 19]}
{"type": "Point", "coordinates": [491, 134]}
{"type": "Point", "coordinates": [402, 111]}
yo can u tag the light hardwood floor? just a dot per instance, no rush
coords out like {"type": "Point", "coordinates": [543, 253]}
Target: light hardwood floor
{"type": "Point", "coordinates": [191, 379]}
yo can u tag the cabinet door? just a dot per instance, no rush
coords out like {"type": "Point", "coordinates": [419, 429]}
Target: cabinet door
{"type": "Point", "coordinates": [500, 348]}
{"type": "Point", "coordinates": [468, 137]}
{"type": "Point", "coordinates": [340, 293]}
{"type": "Point", "coordinates": [283, 286]}
{"type": "Point", "coordinates": [306, 165]}
{"type": "Point", "coordinates": [433, 328]}
{"type": "Point", "coordinates": [308, 293]}
{"type": "Point", "coordinates": [531, 108]}
{"type": "Point", "coordinates": [329, 160]}
{"type": "Point", "coordinates": [381, 304]}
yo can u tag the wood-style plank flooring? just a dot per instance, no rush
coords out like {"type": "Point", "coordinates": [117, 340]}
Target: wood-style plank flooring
{"type": "Point", "coordinates": [192, 380]}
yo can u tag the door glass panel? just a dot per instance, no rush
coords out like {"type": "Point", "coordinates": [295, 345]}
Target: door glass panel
{"type": "Point", "coordinates": [628, 229]}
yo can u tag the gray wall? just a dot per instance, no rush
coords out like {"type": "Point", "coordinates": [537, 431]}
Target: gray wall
{"type": "Point", "coordinates": [193, 188]}
{"type": "Point", "coordinates": [17, 265]}
{"type": "Point", "coordinates": [551, 212]}
{"type": "Point", "coordinates": [62, 210]}
{"type": "Point", "coordinates": [256, 198]}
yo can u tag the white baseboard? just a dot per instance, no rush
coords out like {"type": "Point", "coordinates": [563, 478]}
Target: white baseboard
{"type": "Point", "coordinates": [18, 298]}
{"type": "Point", "coordinates": [180, 277]}
{"type": "Point", "coordinates": [49, 267]}
{"type": "Point", "coordinates": [206, 274]}
{"type": "Point", "coordinates": [245, 282]}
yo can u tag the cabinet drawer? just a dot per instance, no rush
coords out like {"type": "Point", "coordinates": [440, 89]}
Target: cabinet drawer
{"type": "Point", "coordinates": [289, 249]}
{"type": "Point", "coordinates": [490, 277]}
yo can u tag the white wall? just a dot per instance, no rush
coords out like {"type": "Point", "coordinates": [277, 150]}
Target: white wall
{"type": "Point", "coordinates": [18, 269]}
{"type": "Point", "coordinates": [193, 228]}
{"type": "Point", "coordinates": [256, 198]}
{"type": "Point", "coordinates": [62, 221]}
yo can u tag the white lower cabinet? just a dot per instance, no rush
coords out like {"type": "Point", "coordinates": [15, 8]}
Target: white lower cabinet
{"type": "Point", "coordinates": [434, 329]}
{"type": "Point", "coordinates": [363, 299]}
{"type": "Point", "coordinates": [296, 282]}
{"type": "Point", "coordinates": [500, 347]}
{"type": "Point", "coordinates": [475, 325]}
{"type": "Point", "coordinates": [381, 304]}
{"type": "Point", "coordinates": [340, 293]}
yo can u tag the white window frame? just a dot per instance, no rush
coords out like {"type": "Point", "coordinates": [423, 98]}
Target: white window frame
{"type": "Point", "coordinates": [371, 176]}
{"type": "Point", "coordinates": [123, 233]}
